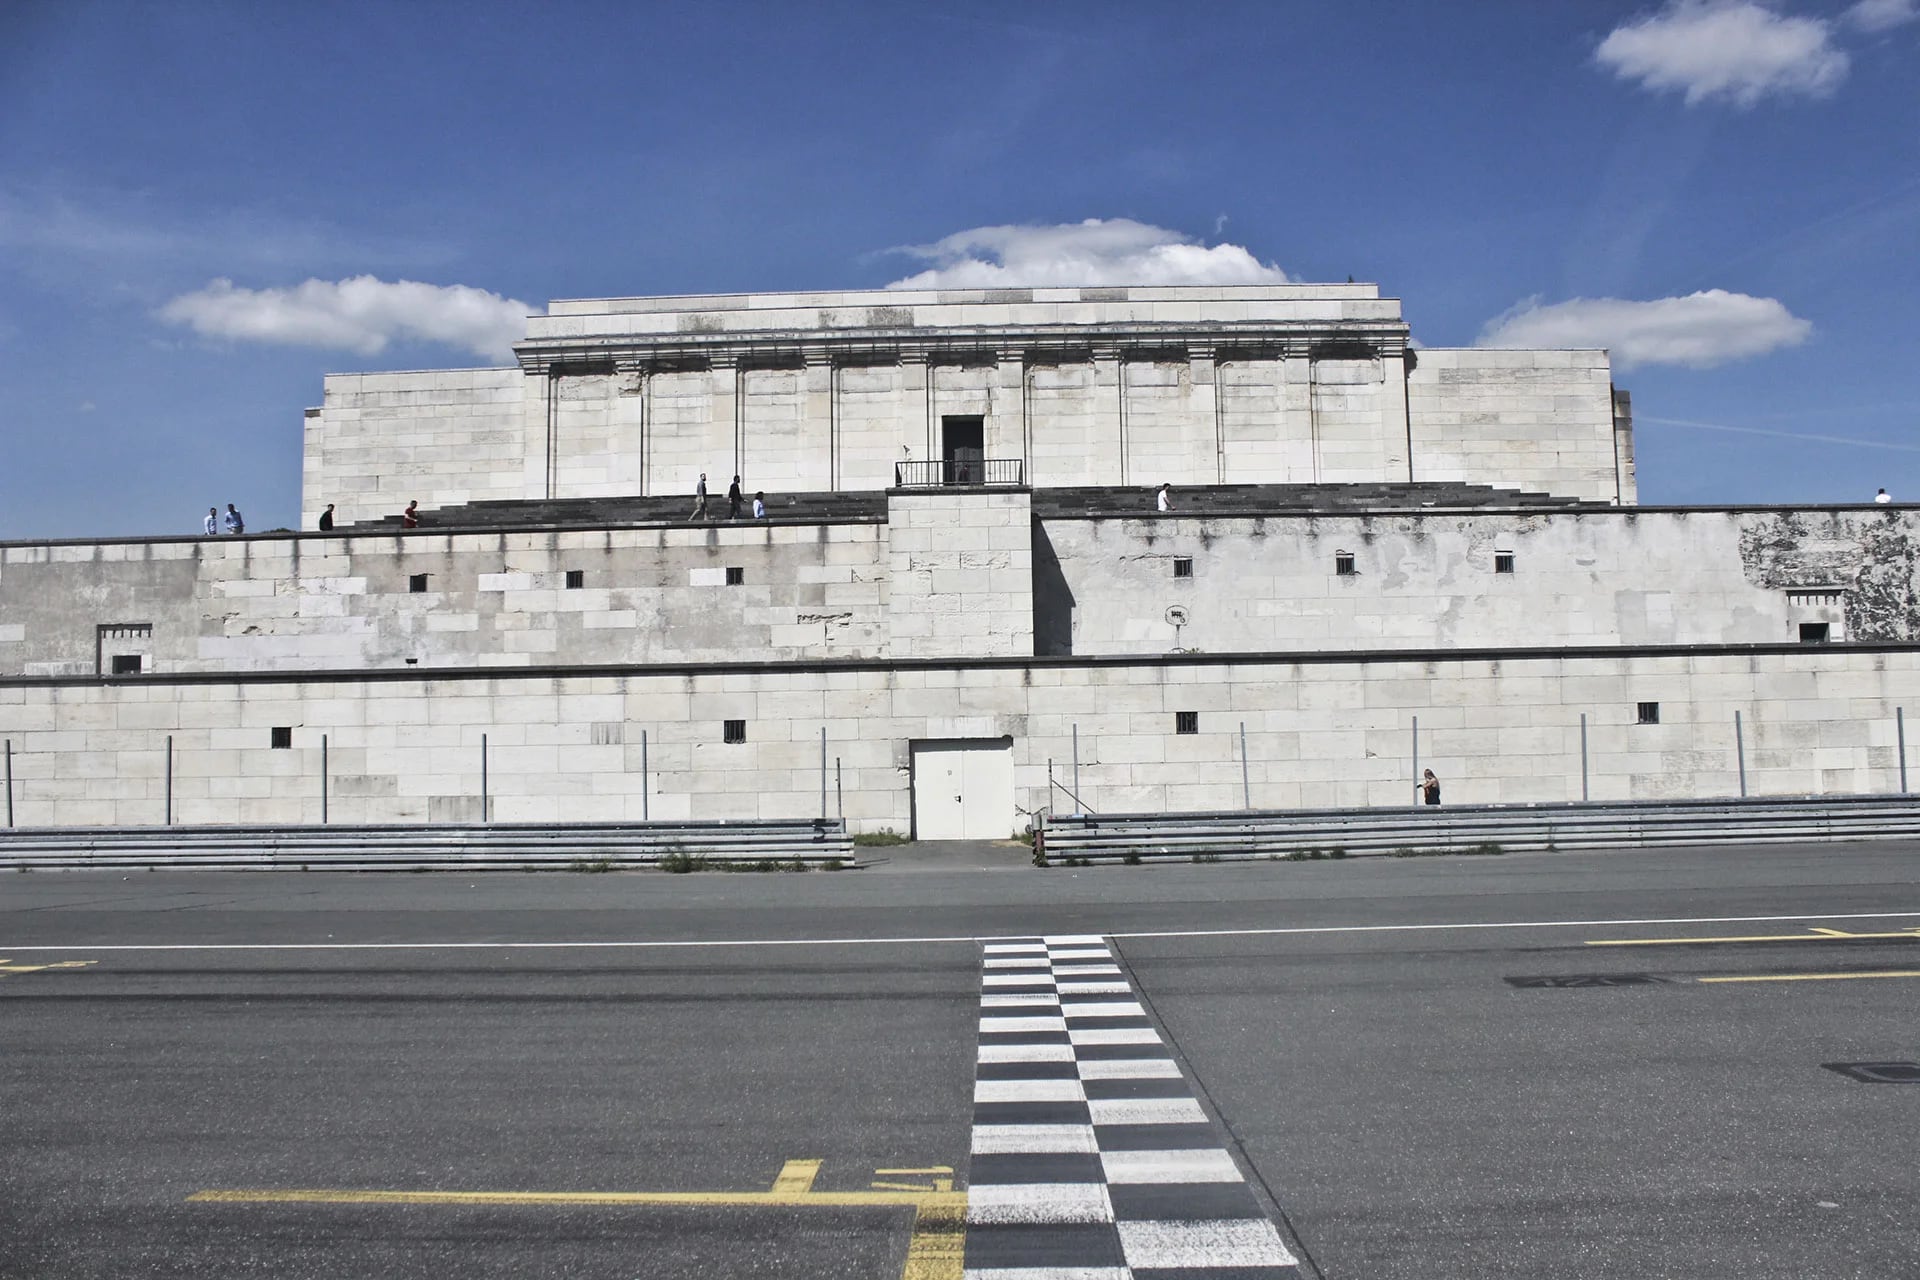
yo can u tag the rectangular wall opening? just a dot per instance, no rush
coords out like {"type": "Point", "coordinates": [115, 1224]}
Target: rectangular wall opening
{"type": "Point", "coordinates": [963, 447]}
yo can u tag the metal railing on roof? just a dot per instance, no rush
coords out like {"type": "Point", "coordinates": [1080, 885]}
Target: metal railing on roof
{"type": "Point", "coordinates": [960, 473]}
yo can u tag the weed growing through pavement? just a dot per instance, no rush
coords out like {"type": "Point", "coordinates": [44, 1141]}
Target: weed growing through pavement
{"type": "Point", "coordinates": [883, 838]}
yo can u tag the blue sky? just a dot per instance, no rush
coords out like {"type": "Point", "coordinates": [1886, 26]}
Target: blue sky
{"type": "Point", "coordinates": [1742, 182]}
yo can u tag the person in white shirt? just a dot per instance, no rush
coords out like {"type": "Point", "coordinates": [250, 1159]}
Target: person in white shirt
{"type": "Point", "coordinates": [759, 506]}
{"type": "Point", "coordinates": [212, 523]}
{"type": "Point", "coordinates": [1163, 500]}
{"type": "Point", "coordinates": [1883, 496]}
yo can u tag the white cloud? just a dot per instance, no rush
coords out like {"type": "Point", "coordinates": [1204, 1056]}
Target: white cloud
{"type": "Point", "coordinates": [1099, 251]}
{"type": "Point", "coordinates": [360, 314]}
{"type": "Point", "coordinates": [1699, 330]}
{"type": "Point", "coordinates": [1881, 15]}
{"type": "Point", "coordinates": [1731, 49]}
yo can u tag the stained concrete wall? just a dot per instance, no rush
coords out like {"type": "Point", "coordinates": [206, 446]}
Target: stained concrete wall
{"type": "Point", "coordinates": [1616, 577]}
{"type": "Point", "coordinates": [565, 746]}
{"type": "Point", "coordinates": [1535, 420]}
{"type": "Point", "coordinates": [495, 599]}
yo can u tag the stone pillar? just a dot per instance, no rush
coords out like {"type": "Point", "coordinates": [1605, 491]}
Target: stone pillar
{"type": "Point", "coordinates": [1205, 403]}
{"type": "Point", "coordinates": [1011, 430]}
{"type": "Point", "coordinates": [724, 429]}
{"type": "Point", "coordinates": [822, 415]}
{"type": "Point", "coordinates": [1110, 388]}
{"type": "Point", "coordinates": [916, 407]}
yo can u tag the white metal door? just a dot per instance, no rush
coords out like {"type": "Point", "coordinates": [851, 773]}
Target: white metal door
{"type": "Point", "coordinates": [963, 789]}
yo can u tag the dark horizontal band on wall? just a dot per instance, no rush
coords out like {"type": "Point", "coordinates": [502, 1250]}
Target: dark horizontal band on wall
{"type": "Point", "coordinates": [1317, 658]}
{"type": "Point", "coordinates": [1576, 509]}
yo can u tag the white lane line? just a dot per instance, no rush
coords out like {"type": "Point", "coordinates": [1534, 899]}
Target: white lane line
{"type": "Point", "coordinates": [1086, 970]}
{"type": "Point", "coordinates": [1128, 1068]}
{"type": "Point", "coordinates": [1047, 1273]}
{"type": "Point", "coordinates": [1029, 1091]}
{"type": "Point", "coordinates": [1030, 999]}
{"type": "Point", "coordinates": [1101, 1009]}
{"type": "Point", "coordinates": [1016, 948]}
{"type": "Point", "coordinates": [1003, 1026]}
{"type": "Point", "coordinates": [1092, 988]}
{"type": "Point", "coordinates": [1034, 979]}
{"type": "Point", "coordinates": [1033, 1139]}
{"type": "Point", "coordinates": [1113, 1035]}
{"type": "Point", "coordinates": [1200, 1164]}
{"type": "Point", "coordinates": [1027, 1053]}
{"type": "Point", "coordinates": [972, 940]}
{"type": "Point", "coordinates": [1235, 1242]}
{"type": "Point", "coordinates": [1146, 1111]}
{"type": "Point", "coordinates": [1038, 1202]}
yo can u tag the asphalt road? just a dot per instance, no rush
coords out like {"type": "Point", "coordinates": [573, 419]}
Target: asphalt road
{"type": "Point", "coordinates": [1425, 1065]}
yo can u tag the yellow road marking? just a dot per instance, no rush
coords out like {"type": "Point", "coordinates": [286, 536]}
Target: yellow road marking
{"type": "Point", "coordinates": [1817, 935]}
{"type": "Point", "coordinates": [1816, 977]}
{"type": "Point", "coordinates": [941, 1176]}
{"type": "Point", "coordinates": [8, 966]}
{"type": "Point", "coordinates": [796, 1177]}
{"type": "Point", "coordinates": [935, 1251]}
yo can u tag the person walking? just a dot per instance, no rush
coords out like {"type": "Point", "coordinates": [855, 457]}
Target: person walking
{"type": "Point", "coordinates": [410, 518]}
{"type": "Point", "coordinates": [235, 522]}
{"type": "Point", "coordinates": [326, 519]}
{"type": "Point", "coordinates": [212, 523]}
{"type": "Point", "coordinates": [1428, 788]}
{"type": "Point", "coordinates": [733, 499]}
{"type": "Point", "coordinates": [1163, 500]}
{"type": "Point", "coordinates": [759, 506]}
{"type": "Point", "coordinates": [700, 499]}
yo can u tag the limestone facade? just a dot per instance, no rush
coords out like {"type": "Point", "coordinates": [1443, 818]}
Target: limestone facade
{"type": "Point", "coordinates": [1293, 384]}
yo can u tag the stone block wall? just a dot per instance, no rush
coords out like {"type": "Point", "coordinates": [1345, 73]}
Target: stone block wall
{"type": "Point", "coordinates": [960, 573]}
{"type": "Point", "coordinates": [1624, 577]}
{"type": "Point", "coordinates": [379, 440]}
{"type": "Point", "coordinates": [1535, 420]}
{"type": "Point", "coordinates": [495, 599]}
{"type": "Point", "coordinates": [564, 746]}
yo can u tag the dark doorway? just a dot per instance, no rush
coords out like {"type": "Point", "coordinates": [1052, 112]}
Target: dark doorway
{"type": "Point", "coordinates": [963, 442]}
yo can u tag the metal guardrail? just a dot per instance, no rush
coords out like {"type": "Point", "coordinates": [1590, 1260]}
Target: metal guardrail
{"type": "Point", "coordinates": [960, 473]}
{"type": "Point", "coordinates": [1109, 837]}
{"type": "Point", "coordinates": [492, 847]}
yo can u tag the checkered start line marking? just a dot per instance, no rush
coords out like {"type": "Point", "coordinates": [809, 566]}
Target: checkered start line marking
{"type": "Point", "coordinates": [1092, 1160]}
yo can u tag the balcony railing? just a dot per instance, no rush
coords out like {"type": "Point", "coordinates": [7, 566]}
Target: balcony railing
{"type": "Point", "coordinates": [959, 472]}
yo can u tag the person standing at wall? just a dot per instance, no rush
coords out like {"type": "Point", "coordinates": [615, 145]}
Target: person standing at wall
{"type": "Point", "coordinates": [235, 522]}
{"type": "Point", "coordinates": [1883, 496]}
{"type": "Point", "coordinates": [212, 523]}
{"type": "Point", "coordinates": [1428, 788]}
{"type": "Point", "coordinates": [733, 499]}
{"type": "Point", "coordinates": [410, 518]}
{"type": "Point", "coordinates": [326, 519]}
{"type": "Point", "coordinates": [700, 499]}
{"type": "Point", "coordinates": [759, 506]}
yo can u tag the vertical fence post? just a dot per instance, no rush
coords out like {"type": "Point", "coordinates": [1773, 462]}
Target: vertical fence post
{"type": "Point", "coordinates": [169, 779]}
{"type": "Point", "coordinates": [1740, 753]}
{"type": "Point", "coordinates": [1899, 732]}
{"type": "Point", "coordinates": [1584, 795]}
{"type": "Point", "coordinates": [1246, 788]}
{"type": "Point", "coordinates": [1077, 806]}
{"type": "Point", "coordinates": [10, 779]}
{"type": "Point", "coordinates": [823, 772]}
{"type": "Point", "coordinates": [646, 804]}
{"type": "Point", "coordinates": [323, 779]}
{"type": "Point", "coordinates": [1416, 762]}
{"type": "Point", "coordinates": [483, 778]}
{"type": "Point", "coordinates": [839, 796]}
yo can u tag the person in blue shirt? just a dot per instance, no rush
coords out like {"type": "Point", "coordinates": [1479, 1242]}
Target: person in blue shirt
{"type": "Point", "coordinates": [235, 523]}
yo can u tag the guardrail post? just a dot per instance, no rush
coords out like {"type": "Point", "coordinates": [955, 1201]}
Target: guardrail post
{"type": "Point", "coordinates": [323, 779]}
{"type": "Point", "coordinates": [10, 780]}
{"type": "Point", "coordinates": [1416, 762]}
{"type": "Point", "coordinates": [839, 796]}
{"type": "Point", "coordinates": [1246, 788]}
{"type": "Point", "coordinates": [169, 779]}
{"type": "Point", "coordinates": [646, 807]}
{"type": "Point", "coordinates": [1583, 757]}
{"type": "Point", "coordinates": [1899, 732]}
{"type": "Point", "coordinates": [483, 777]}
{"type": "Point", "coordinates": [1740, 753]}
{"type": "Point", "coordinates": [823, 772]}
